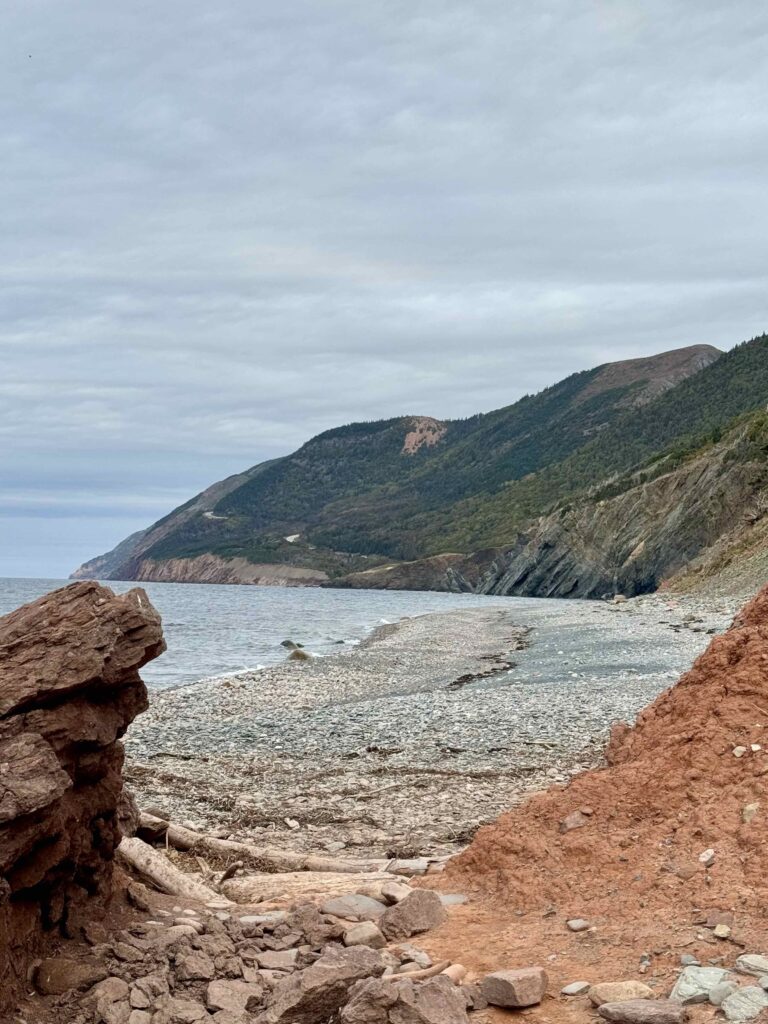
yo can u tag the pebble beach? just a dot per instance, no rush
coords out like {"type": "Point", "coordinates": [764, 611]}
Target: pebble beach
{"type": "Point", "coordinates": [415, 737]}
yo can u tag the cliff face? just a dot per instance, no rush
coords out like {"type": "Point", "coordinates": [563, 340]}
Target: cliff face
{"type": "Point", "coordinates": [631, 543]}
{"type": "Point", "coordinates": [69, 687]}
{"type": "Point", "coordinates": [213, 569]}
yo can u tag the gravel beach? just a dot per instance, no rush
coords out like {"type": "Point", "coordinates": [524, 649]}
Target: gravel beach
{"type": "Point", "coordinates": [408, 742]}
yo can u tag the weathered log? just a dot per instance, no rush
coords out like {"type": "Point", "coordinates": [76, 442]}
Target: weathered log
{"type": "Point", "coordinates": [267, 859]}
{"type": "Point", "coordinates": [314, 886]}
{"type": "Point", "coordinates": [155, 868]}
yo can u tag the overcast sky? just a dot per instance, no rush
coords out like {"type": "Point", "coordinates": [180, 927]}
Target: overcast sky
{"type": "Point", "coordinates": [228, 226]}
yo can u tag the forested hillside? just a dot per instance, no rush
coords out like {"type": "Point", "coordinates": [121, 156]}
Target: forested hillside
{"type": "Point", "coordinates": [411, 487]}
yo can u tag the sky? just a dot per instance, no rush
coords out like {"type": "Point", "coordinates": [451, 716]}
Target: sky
{"type": "Point", "coordinates": [226, 227]}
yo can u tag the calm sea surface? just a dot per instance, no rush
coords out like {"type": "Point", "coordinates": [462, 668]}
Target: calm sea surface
{"type": "Point", "coordinates": [214, 630]}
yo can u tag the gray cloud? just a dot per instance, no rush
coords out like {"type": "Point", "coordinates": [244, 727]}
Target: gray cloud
{"type": "Point", "coordinates": [225, 228]}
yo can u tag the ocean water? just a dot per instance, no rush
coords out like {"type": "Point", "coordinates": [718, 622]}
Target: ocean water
{"type": "Point", "coordinates": [215, 630]}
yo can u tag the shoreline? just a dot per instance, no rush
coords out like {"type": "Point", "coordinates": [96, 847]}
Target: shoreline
{"type": "Point", "coordinates": [424, 730]}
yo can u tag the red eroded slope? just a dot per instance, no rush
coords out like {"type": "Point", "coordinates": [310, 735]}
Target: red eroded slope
{"type": "Point", "coordinates": [673, 788]}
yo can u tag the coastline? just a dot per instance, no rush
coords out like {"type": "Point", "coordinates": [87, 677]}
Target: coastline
{"type": "Point", "coordinates": [419, 734]}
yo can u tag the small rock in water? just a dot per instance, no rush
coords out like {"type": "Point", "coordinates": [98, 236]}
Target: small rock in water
{"type": "Point", "coordinates": [577, 924]}
{"type": "Point", "coordinates": [575, 988]}
{"type": "Point", "coordinates": [523, 987]}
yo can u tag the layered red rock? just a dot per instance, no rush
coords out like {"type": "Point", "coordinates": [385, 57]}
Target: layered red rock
{"type": "Point", "coordinates": [69, 688]}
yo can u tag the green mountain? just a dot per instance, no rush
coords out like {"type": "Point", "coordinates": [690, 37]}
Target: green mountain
{"type": "Point", "coordinates": [405, 490]}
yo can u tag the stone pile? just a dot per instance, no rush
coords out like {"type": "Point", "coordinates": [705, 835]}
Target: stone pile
{"type": "Point", "coordinates": [300, 966]}
{"type": "Point", "coordinates": [69, 687]}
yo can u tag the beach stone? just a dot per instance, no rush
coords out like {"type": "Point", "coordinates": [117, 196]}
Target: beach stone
{"type": "Point", "coordinates": [573, 820]}
{"type": "Point", "coordinates": [751, 963]}
{"type": "Point", "coordinates": [140, 1017]}
{"type": "Point", "coordinates": [236, 997]}
{"type": "Point", "coordinates": [319, 991]}
{"type": "Point", "coordinates": [59, 974]}
{"type": "Point", "coordinates": [195, 967]}
{"type": "Point", "coordinates": [278, 960]}
{"type": "Point", "coordinates": [365, 934]}
{"type": "Point", "coordinates": [695, 983]}
{"type": "Point", "coordinates": [152, 986]}
{"type": "Point", "coordinates": [618, 992]}
{"type": "Point", "coordinates": [575, 988]}
{"type": "Point", "coordinates": [688, 960]}
{"type": "Point", "coordinates": [172, 1010]}
{"type": "Point", "coordinates": [745, 1003]}
{"type": "Point", "coordinates": [644, 1011]}
{"type": "Point", "coordinates": [268, 920]}
{"type": "Point", "coordinates": [437, 1001]}
{"type": "Point", "coordinates": [354, 907]}
{"type": "Point", "coordinates": [720, 992]}
{"type": "Point", "coordinates": [394, 892]}
{"type": "Point", "coordinates": [419, 912]}
{"type": "Point", "coordinates": [707, 858]}
{"type": "Point", "coordinates": [412, 954]}
{"type": "Point", "coordinates": [523, 987]}
{"type": "Point", "coordinates": [409, 867]}
{"type": "Point", "coordinates": [139, 1000]}
{"type": "Point", "coordinates": [577, 924]}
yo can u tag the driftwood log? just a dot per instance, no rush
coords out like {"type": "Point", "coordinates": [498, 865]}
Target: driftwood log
{"type": "Point", "coordinates": [154, 867]}
{"type": "Point", "coordinates": [263, 858]}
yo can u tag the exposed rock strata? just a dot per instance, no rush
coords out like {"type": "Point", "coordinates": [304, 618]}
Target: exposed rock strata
{"type": "Point", "coordinates": [69, 687]}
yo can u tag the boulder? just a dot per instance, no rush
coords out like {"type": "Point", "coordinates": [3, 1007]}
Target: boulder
{"type": "Point", "coordinates": [644, 1011]}
{"type": "Point", "coordinates": [69, 688]}
{"type": "Point", "coordinates": [618, 992]}
{"type": "Point", "coordinates": [522, 987]}
{"type": "Point", "coordinates": [320, 991]}
{"type": "Point", "coordinates": [437, 1001]}
{"type": "Point", "coordinates": [419, 912]}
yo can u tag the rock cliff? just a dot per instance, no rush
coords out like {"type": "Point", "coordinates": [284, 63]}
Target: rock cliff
{"type": "Point", "coordinates": [69, 687]}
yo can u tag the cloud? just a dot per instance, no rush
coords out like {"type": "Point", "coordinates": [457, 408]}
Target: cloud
{"type": "Point", "coordinates": [227, 228]}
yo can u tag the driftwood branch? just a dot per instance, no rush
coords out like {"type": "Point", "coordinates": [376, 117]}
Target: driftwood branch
{"type": "Point", "coordinates": [155, 868]}
{"type": "Point", "coordinates": [263, 858]}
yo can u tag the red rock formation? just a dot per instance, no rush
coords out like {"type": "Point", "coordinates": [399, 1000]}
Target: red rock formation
{"type": "Point", "coordinates": [69, 687]}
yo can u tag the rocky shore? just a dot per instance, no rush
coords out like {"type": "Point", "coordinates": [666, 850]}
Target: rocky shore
{"type": "Point", "coordinates": [412, 740]}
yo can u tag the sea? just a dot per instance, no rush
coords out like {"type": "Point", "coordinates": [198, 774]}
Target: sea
{"type": "Point", "coordinates": [214, 630]}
